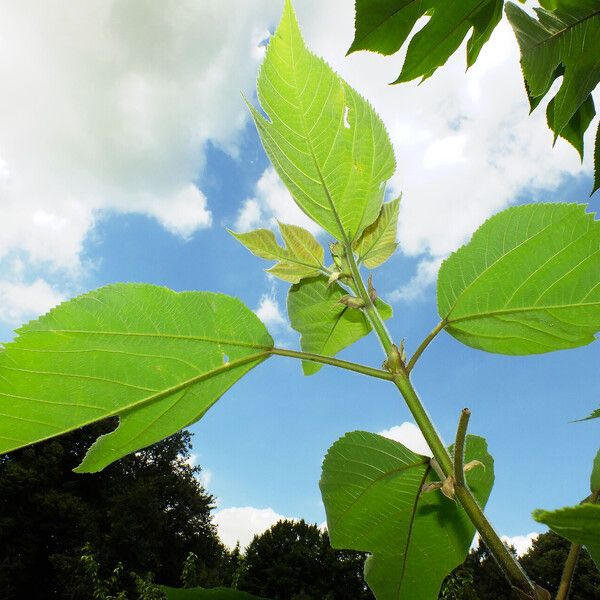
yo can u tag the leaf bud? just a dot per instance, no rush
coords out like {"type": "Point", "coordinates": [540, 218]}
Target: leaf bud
{"type": "Point", "coordinates": [352, 301]}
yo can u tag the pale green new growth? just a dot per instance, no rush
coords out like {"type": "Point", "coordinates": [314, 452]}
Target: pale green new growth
{"type": "Point", "coordinates": [578, 524]}
{"type": "Point", "coordinates": [378, 241]}
{"type": "Point", "coordinates": [326, 325]}
{"type": "Point", "coordinates": [527, 282]}
{"type": "Point", "coordinates": [157, 359]}
{"type": "Point", "coordinates": [372, 490]}
{"type": "Point", "coordinates": [325, 141]}
{"type": "Point", "coordinates": [301, 257]}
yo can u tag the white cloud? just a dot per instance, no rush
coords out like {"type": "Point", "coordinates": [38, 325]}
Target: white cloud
{"type": "Point", "coordinates": [205, 476]}
{"type": "Point", "coordinates": [271, 203]}
{"type": "Point", "coordinates": [426, 274]}
{"type": "Point", "coordinates": [269, 313]}
{"type": "Point", "coordinates": [521, 543]}
{"type": "Point", "coordinates": [410, 436]}
{"type": "Point", "coordinates": [21, 301]}
{"type": "Point", "coordinates": [103, 110]}
{"type": "Point", "coordinates": [241, 524]}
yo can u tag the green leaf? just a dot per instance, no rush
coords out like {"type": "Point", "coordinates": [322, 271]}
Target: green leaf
{"type": "Point", "coordinates": [574, 130]}
{"type": "Point", "coordinates": [198, 593]}
{"type": "Point", "coordinates": [302, 256]}
{"type": "Point", "coordinates": [326, 326]}
{"type": "Point", "coordinates": [528, 281]}
{"type": "Point", "coordinates": [595, 477]}
{"type": "Point", "coordinates": [157, 359]}
{"type": "Point", "coordinates": [563, 42]}
{"type": "Point", "coordinates": [578, 524]}
{"type": "Point", "coordinates": [327, 144]}
{"type": "Point", "coordinates": [371, 488]}
{"type": "Point", "coordinates": [384, 25]}
{"type": "Point", "coordinates": [597, 161]}
{"type": "Point", "coordinates": [378, 241]}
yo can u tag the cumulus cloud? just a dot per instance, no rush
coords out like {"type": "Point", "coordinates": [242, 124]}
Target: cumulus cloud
{"type": "Point", "coordinates": [426, 274]}
{"type": "Point", "coordinates": [269, 313]}
{"type": "Point", "coordinates": [521, 543]}
{"type": "Point", "coordinates": [22, 301]}
{"type": "Point", "coordinates": [409, 435]}
{"type": "Point", "coordinates": [241, 524]}
{"type": "Point", "coordinates": [271, 203]}
{"type": "Point", "coordinates": [103, 110]}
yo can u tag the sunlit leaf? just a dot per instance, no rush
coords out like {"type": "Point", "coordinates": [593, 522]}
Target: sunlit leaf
{"type": "Point", "coordinates": [528, 281]}
{"type": "Point", "coordinates": [378, 241]}
{"type": "Point", "coordinates": [562, 42]}
{"type": "Point", "coordinates": [371, 487]}
{"type": "Point", "coordinates": [157, 359]}
{"type": "Point", "coordinates": [325, 141]}
{"type": "Point", "coordinates": [578, 524]}
{"type": "Point", "coordinates": [301, 257]}
{"type": "Point", "coordinates": [384, 25]}
{"type": "Point", "coordinates": [326, 325]}
{"type": "Point", "coordinates": [597, 161]}
{"type": "Point", "coordinates": [575, 129]}
{"type": "Point", "coordinates": [595, 477]}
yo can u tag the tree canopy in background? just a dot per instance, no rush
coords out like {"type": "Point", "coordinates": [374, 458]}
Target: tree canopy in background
{"type": "Point", "coordinates": [147, 511]}
{"type": "Point", "coordinates": [294, 561]}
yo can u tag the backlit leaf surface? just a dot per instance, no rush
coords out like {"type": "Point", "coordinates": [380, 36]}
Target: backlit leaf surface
{"type": "Point", "coordinates": [302, 256]}
{"type": "Point", "coordinates": [325, 141]}
{"type": "Point", "coordinates": [528, 281]}
{"type": "Point", "coordinates": [157, 359]}
{"type": "Point", "coordinates": [326, 325]}
{"type": "Point", "coordinates": [378, 241]}
{"type": "Point", "coordinates": [384, 25]}
{"type": "Point", "coordinates": [595, 478]}
{"type": "Point", "coordinates": [578, 524]}
{"type": "Point", "coordinates": [371, 488]}
{"type": "Point", "coordinates": [562, 42]}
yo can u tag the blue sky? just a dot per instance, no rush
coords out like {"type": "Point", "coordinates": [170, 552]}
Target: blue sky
{"type": "Point", "coordinates": [149, 200]}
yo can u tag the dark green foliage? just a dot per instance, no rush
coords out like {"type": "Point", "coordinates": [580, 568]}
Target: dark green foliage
{"type": "Point", "coordinates": [294, 561]}
{"type": "Point", "coordinates": [146, 511]}
{"type": "Point", "coordinates": [480, 578]}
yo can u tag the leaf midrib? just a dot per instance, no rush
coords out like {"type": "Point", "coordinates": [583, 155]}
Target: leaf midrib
{"type": "Point", "coordinates": [152, 335]}
{"type": "Point", "coordinates": [494, 313]}
{"type": "Point", "coordinates": [551, 37]}
{"type": "Point", "coordinates": [308, 140]}
{"type": "Point", "coordinates": [164, 393]}
{"type": "Point", "coordinates": [410, 529]}
{"type": "Point", "coordinates": [378, 479]}
{"type": "Point", "coordinates": [501, 258]}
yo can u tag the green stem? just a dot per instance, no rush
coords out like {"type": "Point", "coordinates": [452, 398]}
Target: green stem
{"type": "Point", "coordinates": [415, 357]}
{"type": "Point", "coordinates": [568, 572]}
{"type": "Point", "coordinates": [369, 309]}
{"type": "Point", "coordinates": [336, 362]}
{"type": "Point", "coordinates": [459, 447]}
{"type": "Point", "coordinates": [571, 563]}
{"type": "Point", "coordinates": [501, 553]}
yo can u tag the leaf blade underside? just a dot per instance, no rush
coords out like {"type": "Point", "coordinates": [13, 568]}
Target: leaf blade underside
{"type": "Point", "coordinates": [326, 326]}
{"type": "Point", "coordinates": [371, 488]}
{"type": "Point", "coordinates": [527, 282]}
{"type": "Point", "coordinates": [156, 358]}
{"type": "Point", "coordinates": [325, 141]}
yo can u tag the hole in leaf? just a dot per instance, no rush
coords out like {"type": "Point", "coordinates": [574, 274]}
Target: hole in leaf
{"type": "Point", "coordinates": [346, 122]}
